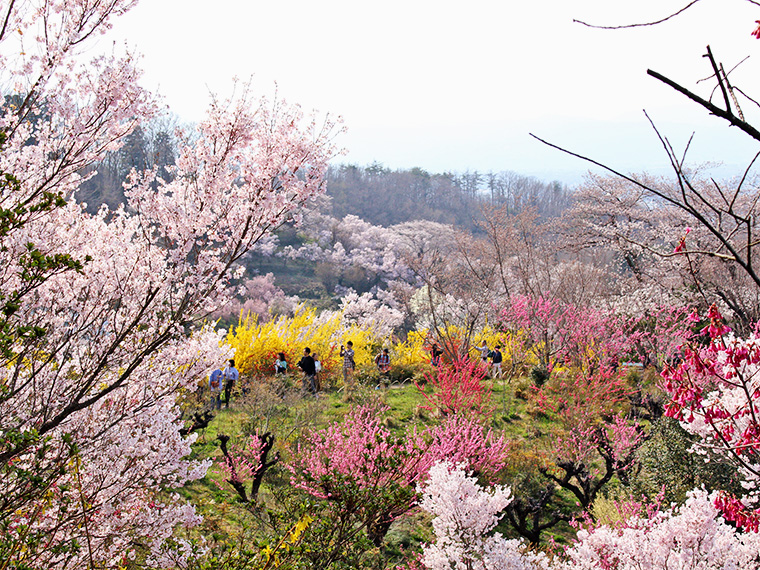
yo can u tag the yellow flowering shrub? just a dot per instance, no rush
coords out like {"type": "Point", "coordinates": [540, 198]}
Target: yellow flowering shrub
{"type": "Point", "coordinates": [257, 345]}
{"type": "Point", "coordinates": [413, 351]}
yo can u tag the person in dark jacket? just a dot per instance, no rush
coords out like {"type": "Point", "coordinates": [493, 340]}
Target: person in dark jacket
{"type": "Point", "coordinates": [496, 358]}
{"type": "Point", "coordinates": [307, 366]}
{"type": "Point", "coordinates": [230, 376]}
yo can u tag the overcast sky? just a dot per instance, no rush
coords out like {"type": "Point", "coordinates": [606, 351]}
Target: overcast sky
{"type": "Point", "coordinates": [459, 85]}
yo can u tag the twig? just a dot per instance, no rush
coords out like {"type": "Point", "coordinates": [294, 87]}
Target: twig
{"type": "Point", "coordinates": [640, 25]}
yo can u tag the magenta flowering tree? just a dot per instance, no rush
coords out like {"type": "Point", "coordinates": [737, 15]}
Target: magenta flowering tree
{"type": "Point", "coordinates": [714, 394]}
{"type": "Point", "coordinates": [458, 387]}
{"type": "Point", "coordinates": [368, 473]}
{"type": "Point", "coordinates": [102, 314]}
{"type": "Point", "coordinates": [562, 334]}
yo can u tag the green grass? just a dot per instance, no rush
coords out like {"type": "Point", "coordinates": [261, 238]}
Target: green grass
{"type": "Point", "coordinates": [292, 416]}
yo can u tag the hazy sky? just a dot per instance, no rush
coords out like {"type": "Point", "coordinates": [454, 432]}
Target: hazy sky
{"type": "Point", "coordinates": [458, 85]}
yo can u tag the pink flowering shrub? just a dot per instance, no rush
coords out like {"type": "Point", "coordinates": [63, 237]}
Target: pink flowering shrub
{"type": "Point", "coordinates": [458, 387]}
{"type": "Point", "coordinates": [362, 465]}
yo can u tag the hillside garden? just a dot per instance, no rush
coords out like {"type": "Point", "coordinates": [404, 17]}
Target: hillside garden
{"type": "Point", "coordinates": [620, 432]}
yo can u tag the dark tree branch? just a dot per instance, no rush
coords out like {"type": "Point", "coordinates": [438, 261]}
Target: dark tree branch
{"type": "Point", "coordinates": [200, 421]}
{"type": "Point", "coordinates": [267, 441]}
{"type": "Point", "coordinates": [524, 514]}
{"type": "Point", "coordinates": [696, 214]}
{"type": "Point", "coordinates": [714, 109]}
{"type": "Point", "coordinates": [643, 24]}
{"type": "Point", "coordinates": [718, 77]}
{"type": "Point", "coordinates": [7, 19]}
{"type": "Point", "coordinates": [234, 479]}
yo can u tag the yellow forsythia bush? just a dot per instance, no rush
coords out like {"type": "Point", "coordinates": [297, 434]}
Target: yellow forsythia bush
{"type": "Point", "coordinates": [414, 351]}
{"type": "Point", "coordinates": [257, 345]}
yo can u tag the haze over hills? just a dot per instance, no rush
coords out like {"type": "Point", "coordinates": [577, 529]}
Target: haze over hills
{"type": "Point", "coordinates": [375, 193]}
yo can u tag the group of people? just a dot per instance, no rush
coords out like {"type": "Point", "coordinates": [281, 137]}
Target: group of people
{"type": "Point", "coordinates": [494, 356]}
{"type": "Point", "coordinates": [310, 366]}
{"type": "Point", "coordinates": [222, 380]}
{"type": "Point", "coordinates": [491, 358]}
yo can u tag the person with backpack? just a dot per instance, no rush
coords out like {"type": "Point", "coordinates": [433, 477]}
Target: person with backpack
{"type": "Point", "coordinates": [215, 385]}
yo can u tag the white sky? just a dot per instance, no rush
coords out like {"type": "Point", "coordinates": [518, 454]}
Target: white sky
{"type": "Point", "coordinates": [458, 85]}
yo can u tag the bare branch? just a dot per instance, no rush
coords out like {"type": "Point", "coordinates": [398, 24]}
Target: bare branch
{"type": "Point", "coordinates": [643, 24]}
{"type": "Point", "coordinates": [7, 19]}
{"type": "Point", "coordinates": [714, 109]}
{"type": "Point", "coordinates": [741, 183]}
{"type": "Point", "coordinates": [718, 77]}
{"type": "Point", "coordinates": [747, 96]}
{"type": "Point", "coordinates": [690, 209]}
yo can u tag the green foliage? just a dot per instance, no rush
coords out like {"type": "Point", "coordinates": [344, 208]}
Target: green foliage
{"type": "Point", "coordinates": [539, 375]}
{"type": "Point", "coordinates": [668, 467]}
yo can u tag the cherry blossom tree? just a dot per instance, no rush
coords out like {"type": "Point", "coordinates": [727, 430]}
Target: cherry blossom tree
{"type": "Point", "coordinates": [688, 266]}
{"type": "Point", "coordinates": [464, 514]}
{"type": "Point", "coordinates": [689, 536]}
{"type": "Point", "coordinates": [102, 313]}
{"type": "Point", "coordinates": [369, 312]}
{"type": "Point", "coordinates": [259, 297]}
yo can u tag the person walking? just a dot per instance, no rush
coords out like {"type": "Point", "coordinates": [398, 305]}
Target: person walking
{"type": "Point", "coordinates": [306, 364]}
{"type": "Point", "coordinates": [349, 365]}
{"type": "Point", "coordinates": [496, 358]}
{"type": "Point", "coordinates": [230, 376]}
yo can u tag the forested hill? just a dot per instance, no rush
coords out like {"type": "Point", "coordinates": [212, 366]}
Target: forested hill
{"type": "Point", "coordinates": [386, 197]}
{"type": "Point", "coordinates": [374, 193]}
